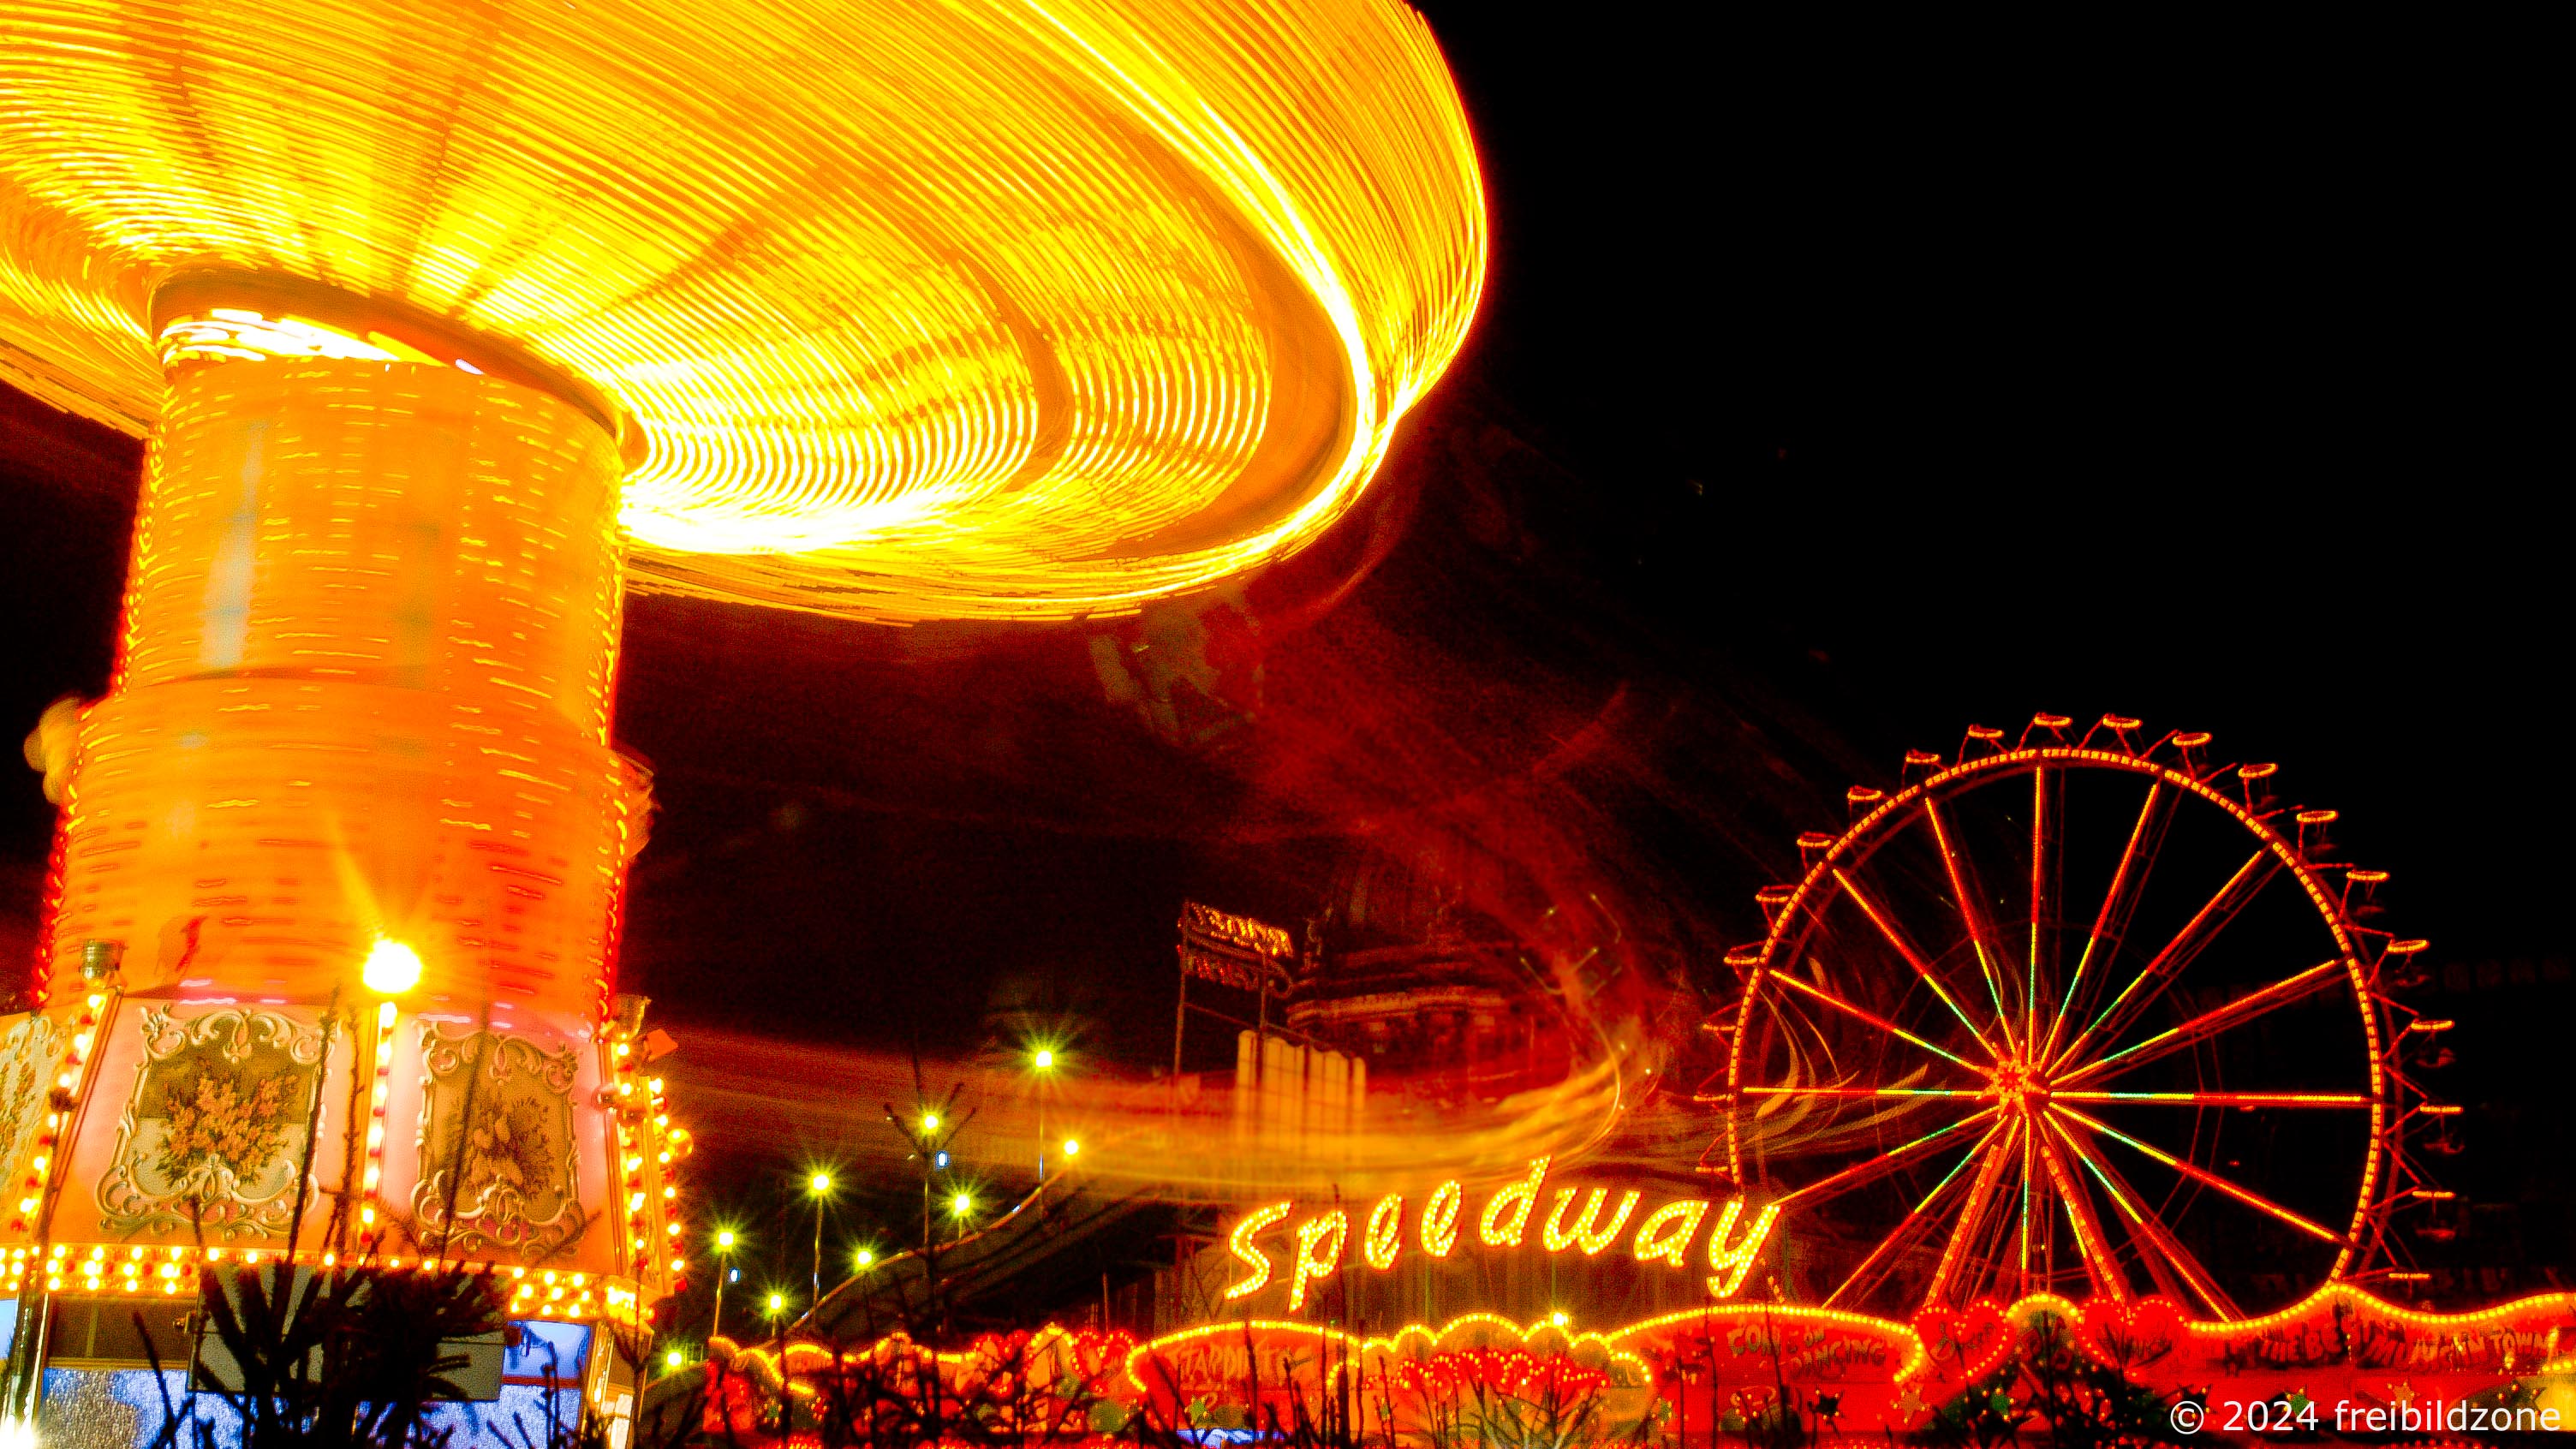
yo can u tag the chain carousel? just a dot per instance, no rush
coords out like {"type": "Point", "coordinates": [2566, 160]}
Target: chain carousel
{"type": "Point", "coordinates": [447, 325]}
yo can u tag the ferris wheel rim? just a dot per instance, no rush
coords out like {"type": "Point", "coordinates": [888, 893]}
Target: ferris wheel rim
{"type": "Point", "coordinates": [1827, 878]}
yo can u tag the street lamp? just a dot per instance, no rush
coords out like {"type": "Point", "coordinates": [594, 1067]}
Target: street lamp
{"type": "Point", "coordinates": [1044, 1060]}
{"type": "Point", "coordinates": [959, 1205]}
{"type": "Point", "coordinates": [1071, 1147]}
{"type": "Point", "coordinates": [820, 1185]}
{"type": "Point", "coordinates": [725, 1240]}
{"type": "Point", "coordinates": [865, 1258]}
{"type": "Point", "coordinates": [930, 1145]}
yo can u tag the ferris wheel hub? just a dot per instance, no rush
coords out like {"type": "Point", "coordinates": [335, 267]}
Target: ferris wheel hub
{"type": "Point", "coordinates": [2019, 1083]}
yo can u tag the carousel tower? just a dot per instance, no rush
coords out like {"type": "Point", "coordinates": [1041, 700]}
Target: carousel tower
{"type": "Point", "coordinates": [449, 322]}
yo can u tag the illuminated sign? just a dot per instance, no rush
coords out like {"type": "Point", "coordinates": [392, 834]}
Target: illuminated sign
{"type": "Point", "coordinates": [1584, 1219]}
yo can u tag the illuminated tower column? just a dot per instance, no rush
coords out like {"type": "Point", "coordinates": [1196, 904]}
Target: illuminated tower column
{"type": "Point", "coordinates": [362, 695]}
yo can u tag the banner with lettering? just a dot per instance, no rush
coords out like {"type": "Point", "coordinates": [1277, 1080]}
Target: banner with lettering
{"type": "Point", "coordinates": [2340, 1343]}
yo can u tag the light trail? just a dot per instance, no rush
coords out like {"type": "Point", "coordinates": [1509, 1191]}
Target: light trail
{"type": "Point", "coordinates": [779, 1100]}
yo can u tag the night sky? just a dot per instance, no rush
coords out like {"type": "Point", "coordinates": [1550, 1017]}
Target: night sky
{"type": "Point", "coordinates": [1830, 394]}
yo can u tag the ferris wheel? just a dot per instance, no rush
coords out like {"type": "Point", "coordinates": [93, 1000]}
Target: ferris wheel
{"type": "Point", "coordinates": [2081, 1017]}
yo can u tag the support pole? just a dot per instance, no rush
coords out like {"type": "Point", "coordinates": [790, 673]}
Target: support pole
{"type": "Point", "coordinates": [1180, 1015]}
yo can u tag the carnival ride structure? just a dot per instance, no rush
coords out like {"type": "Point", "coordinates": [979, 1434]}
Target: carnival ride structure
{"type": "Point", "coordinates": [2074, 1062]}
{"type": "Point", "coordinates": [447, 324]}
{"type": "Point", "coordinates": [2090, 1015]}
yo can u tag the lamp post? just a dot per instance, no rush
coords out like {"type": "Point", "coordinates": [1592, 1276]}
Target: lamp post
{"type": "Point", "coordinates": [391, 969]}
{"type": "Point", "coordinates": [1044, 1061]}
{"type": "Point", "coordinates": [929, 1164]}
{"type": "Point", "coordinates": [820, 1185]}
{"type": "Point", "coordinates": [928, 1135]}
{"type": "Point", "coordinates": [959, 1206]}
{"type": "Point", "coordinates": [931, 1146]}
{"type": "Point", "coordinates": [724, 1268]}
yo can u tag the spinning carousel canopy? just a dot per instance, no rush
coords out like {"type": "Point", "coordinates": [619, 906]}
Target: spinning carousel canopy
{"type": "Point", "coordinates": [900, 309]}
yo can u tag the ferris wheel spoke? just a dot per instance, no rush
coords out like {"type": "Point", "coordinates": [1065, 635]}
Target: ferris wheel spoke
{"type": "Point", "coordinates": [1972, 915]}
{"type": "Point", "coordinates": [1886, 1162]}
{"type": "Point", "coordinates": [1793, 1090]}
{"type": "Point", "coordinates": [2166, 1259]}
{"type": "Point", "coordinates": [1914, 958]}
{"type": "Point", "coordinates": [2030, 1187]}
{"type": "Point", "coordinates": [2128, 882]}
{"type": "Point", "coordinates": [2047, 871]}
{"type": "Point", "coordinates": [2210, 1023]}
{"type": "Point", "coordinates": [2178, 953]}
{"type": "Point", "coordinates": [2202, 1175]}
{"type": "Point", "coordinates": [2220, 1099]}
{"type": "Point", "coordinates": [1992, 1163]}
{"type": "Point", "coordinates": [1913, 1225]}
{"type": "Point", "coordinates": [2090, 1244]}
{"type": "Point", "coordinates": [1862, 1014]}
